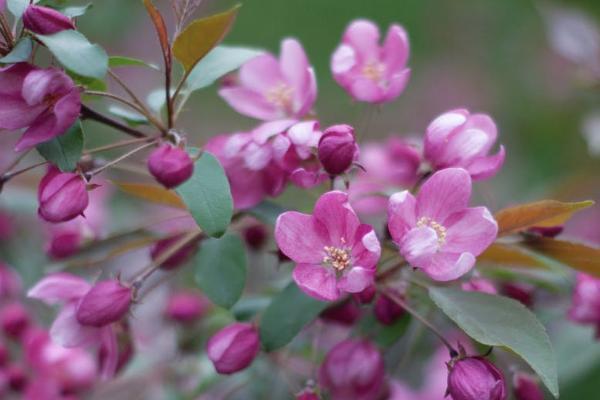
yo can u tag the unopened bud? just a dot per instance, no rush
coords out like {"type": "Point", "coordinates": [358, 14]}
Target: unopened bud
{"type": "Point", "coordinates": [106, 302]}
{"type": "Point", "coordinates": [45, 20]}
{"type": "Point", "coordinates": [475, 378]}
{"type": "Point", "coordinates": [170, 165]}
{"type": "Point", "coordinates": [337, 149]}
{"type": "Point", "coordinates": [61, 196]}
{"type": "Point", "coordinates": [233, 348]}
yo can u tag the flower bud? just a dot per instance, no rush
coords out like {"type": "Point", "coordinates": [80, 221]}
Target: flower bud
{"type": "Point", "coordinates": [17, 379]}
{"type": "Point", "coordinates": [106, 302]}
{"type": "Point", "coordinates": [386, 310]}
{"type": "Point", "coordinates": [170, 165]}
{"type": "Point", "coordinates": [344, 313]}
{"type": "Point", "coordinates": [61, 196]}
{"type": "Point", "coordinates": [479, 285]}
{"type": "Point", "coordinates": [233, 348]}
{"type": "Point", "coordinates": [475, 378]}
{"type": "Point", "coordinates": [307, 394]}
{"type": "Point", "coordinates": [526, 387]}
{"type": "Point", "coordinates": [10, 283]}
{"type": "Point", "coordinates": [337, 149]}
{"type": "Point", "coordinates": [63, 244]}
{"type": "Point", "coordinates": [522, 292]}
{"type": "Point", "coordinates": [180, 257]}
{"type": "Point", "coordinates": [186, 307]}
{"type": "Point", "coordinates": [353, 369]}
{"type": "Point", "coordinates": [255, 236]}
{"type": "Point", "coordinates": [14, 319]}
{"type": "Point", "coordinates": [45, 21]}
{"type": "Point", "coordinates": [367, 295]}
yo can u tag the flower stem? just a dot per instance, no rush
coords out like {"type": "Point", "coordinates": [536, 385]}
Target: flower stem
{"type": "Point", "coordinates": [88, 113]}
{"type": "Point", "coordinates": [120, 144]}
{"type": "Point", "coordinates": [9, 175]}
{"type": "Point", "coordinates": [96, 171]}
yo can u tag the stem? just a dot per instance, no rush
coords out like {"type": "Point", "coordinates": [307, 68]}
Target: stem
{"type": "Point", "coordinates": [17, 160]}
{"type": "Point", "coordinates": [9, 175]}
{"type": "Point", "coordinates": [168, 99]}
{"type": "Point", "coordinates": [6, 32]}
{"type": "Point", "coordinates": [390, 272]}
{"type": "Point", "coordinates": [96, 171]}
{"type": "Point", "coordinates": [117, 145]}
{"type": "Point", "coordinates": [392, 296]}
{"type": "Point", "coordinates": [119, 99]}
{"type": "Point", "coordinates": [88, 113]}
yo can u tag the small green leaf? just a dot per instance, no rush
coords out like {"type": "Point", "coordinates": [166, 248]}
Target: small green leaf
{"type": "Point", "coordinates": [20, 52]}
{"type": "Point", "coordinates": [76, 11]}
{"type": "Point", "coordinates": [219, 61]}
{"type": "Point", "coordinates": [267, 212]}
{"type": "Point", "coordinates": [121, 61]}
{"type": "Point", "coordinates": [76, 53]}
{"type": "Point", "coordinates": [65, 150]}
{"type": "Point", "coordinates": [88, 83]}
{"type": "Point", "coordinates": [247, 308]}
{"type": "Point", "coordinates": [208, 196]}
{"type": "Point", "coordinates": [220, 268]}
{"type": "Point", "coordinates": [383, 335]}
{"type": "Point", "coordinates": [17, 7]}
{"type": "Point", "coordinates": [499, 321]}
{"type": "Point", "coordinates": [131, 117]}
{"type": "Point", "coordinates": [289, 312]}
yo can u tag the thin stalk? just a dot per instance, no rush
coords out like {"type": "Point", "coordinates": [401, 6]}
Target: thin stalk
{"type": "Point", "coordinates": [6, 31]}
{"type": "Point", "coordinates": [120, 144]}
{"type": "Point", "coordinates": [88, 113]}
{"type": "Point", "coordinates": [9, 175]}
{"type": "Point", "coordinates": [168, 99]}
{"type": "Point", "coordinates": [17, 160]}
{"type": "Point", "coordinates": [118, 159]}
{"type": "Point", "coordinates": [119, 99]}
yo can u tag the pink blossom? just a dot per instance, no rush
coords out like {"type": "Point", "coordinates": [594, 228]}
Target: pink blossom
{"type": "Point", "coordinates": [527, 387]}
{"type": "Point", "coordinates": [10, 282]}
{"type": "Point", "coordinates": [14, 319]}
{"type": "Point", "coordinates": [45, 20]}
{"type": "Point", "coordinates": [170, 165]}
{"type": "Point", "coordinates": [479, 285]}
{"type": "Point", "coordinates": [338, 149]}
{"type": "Point", "coordinates": [186, 306]}
{"type": "Point", "coordinates": [344, 313]}
{"type": "Point", "coordinates": [475, 378]}
{"type": "Point", "coordinates": [106, 302]}
{"type": "Point", "coordinates": [585, 307]}
{"type": "Point", "coordinates": [367, 71]}
{"type": "Point", "coordinates": [437, 231]}
{"type": "Point", "coordinates": [386, 310]}
{"type": "Point", "coordinates": [45, 101]}
{"type": "Point", "coordinates": [233, 348]}
{"type": "Point", "coordinates": [62, 196]}
{"type": "Point", "coordinates": [333, 251]}
{"type": "Point", "coordinates": [459, 139]}
{"type": "Point", "coordinates": [270, 89]}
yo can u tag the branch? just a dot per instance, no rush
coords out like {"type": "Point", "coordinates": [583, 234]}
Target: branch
{"type": "Point", "coordinates": [88, 113]}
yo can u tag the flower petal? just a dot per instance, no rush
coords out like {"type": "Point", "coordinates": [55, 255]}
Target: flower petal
{"type": "Point", "coordinates": [396, 85]}
{"type": "Point", "coordinates": [444, 266]}
{"type": "Point", "coordinates": [366, 250]}
{"type": "Point", "coordinates": [439, 129]}
{"type": "Point", "coordinates": [486, 167]}
{"type": "Point", "coordinates": [261, 74]}
{"type": "Point", "coordinates": [356, 279]}
{"type": "Point", "coordinates": [12, 77]}
{"type": "Point", "coordinates": [365, 89]}
{"type": "Point", "coordinates": [337, 216]}
{"type": "Point", "coordinates": [16, 113]}
{"type": "Point", "coordinates": [471, 230]}
{"type": "Point", "coordinates": [250, 103]}
{"type": "Point", "coordinates": [395, 48]}
{"type": "Point", "coordinates": [419, 245]}
{"type": "Point", "coordinates": [342, 61]}
{"type": "Point", "coordinates": [59, 287]}
{"type": "Point", "coordinates": [300, 237]}
{"type": "Point", "coordinates": [363, 36]}
{"type": "Point", "coordinates": [67, 332]}
{"type": "Point", "coordinates": [316, 281]}
{"type": "Point", "coordinates": [446, 192]}
{"type": "Point", "coordinates": [402, 215]}
{"type": "Point", "coordinates": [295, 66]}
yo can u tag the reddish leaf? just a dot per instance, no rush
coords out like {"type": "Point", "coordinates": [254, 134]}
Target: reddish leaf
{"type": "Point", "coordinates": [511, 255]}
{"type": "Point", "coordinates": [576, 255]}
{"type": "Point", "coordinates": [161, 31]}
{"type": "Point", "coordinates": [152, 193]}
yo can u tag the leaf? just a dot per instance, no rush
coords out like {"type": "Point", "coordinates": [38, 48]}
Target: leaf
{"type": "Point", "coordinates": [511, 255]}
{"type": "Point", "coordinates": [247, 308]}
{"type": "Point", "coordinates": [201, 36]}
{"type": "Point", "coordinates": [88, 83]}
{"type": "Point", "coordinates": [131, 117]}
{"type": "Point", "coordinates": [219, 61]}
{"type": "Point", "coordinates": [208, 196]}
{"type": "Point", "coordinates": [161, 31]}
{"type": "Point", "coordinates": [17, 7]}
{"type": "Point", "coordinates": [267, 212]}
{"type": "Point", "coordinates": [121, 61]}
{"type": "Point", "coordinates": [544, 213]}
{"type": "Point", "coordinates": [76, 11]}
{"type": "Point", "coordinates": [384, 335]}
{"type": "Point", "coordinates": [289, 312]}
{"type": "Point", "coordinates": [500, 321]}
{"type": "Point", "coordinates": [76, 53]}
{"type": "Point", "coordinates": [576, 255]}
{"type": "Point", "coordinates": [19, 53]}
{"type": "Point", "coordinates": [65, 150]}
{"type": "Point", "coordinates": [220, 268]}
{"type": "Point", "coordinates": [152, 193]}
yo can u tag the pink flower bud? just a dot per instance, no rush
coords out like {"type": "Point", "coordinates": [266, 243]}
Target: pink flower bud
{"type": "Point", "coordinates": [479, 285]}
{"type": "Point", "coordinates": [10, 283]}
{"type": "Point", "coordinates": [61, 196]}
{"type": "Point", "coordinates": [14, 319]}
{"type": "Point", "coordinates": [106, 302]}
{"type": "Point", "coordinates": [526, 387]}
{"type": "Point", "coordinates": [233, 348]}
{"type": "Point", "coordinates": [386, 310]}
{"type": "Point", "coordinates": [63, 244]}
{"type": "Point", "coordinates": [186, 307]}
{"type": "Point", "coordinates": [337, 149]}
{"type": "Point", "coordinates": [45, 21]}
{"type": "Point", "coordinates": [307, 394]}
{"type": "Point", "coordinates": [345, 313]}
{"type": "Point", "coordinates": [180, 257]}
{"type": "Point", "coordinates": [170, 165]}
{"type": "Point", "coordinates": [353, 369]}
{"type": "Point", "coordinates": [367, 295]}
{"type": "Point", "coordinates": [255, 236]}
{"type": "Point", "coordinates": [546, 231]}
{"type": "Point", "coordinates": [522, 292]}
{"type": "Point", "coordinates": [4, 355]}
{"type": "Point", "coordinates": [475, 378]}
{"type": "Point", "coordinates": [17, 379]}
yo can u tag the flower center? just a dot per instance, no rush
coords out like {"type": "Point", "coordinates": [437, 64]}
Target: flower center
{"type": "Point", "coordinates": [280, 95]}
{"type": "Point", "coordinates": [439, 229]}
{"type": "Point", "coordinates": [338, 258]}
{"type": "Point", "coordinates": [373, 70]}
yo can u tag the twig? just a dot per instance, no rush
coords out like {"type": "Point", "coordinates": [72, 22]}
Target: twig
{"type": "Point", "coordinates": [96, 171]}
{"type": "Point", "coordinates": [88, 113]}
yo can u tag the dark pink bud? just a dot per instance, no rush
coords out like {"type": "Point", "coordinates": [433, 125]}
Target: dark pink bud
{"type": "Point", "coordinates": [45, 21]}
{"type": "Point", "coordinates": [255, 236]}
{"type": "Point", "coordinates": [345, 313]}
{"type": "Point", "coordinates": [10, 283]}
{"type": "Point", "coordinates": [337, 149]}
{"type": "Point", "coordinates": [170, 165]}
{"type": "Point", "coordinates": [353, 369]}
{"type": "Point", "coordinates": [63, 244]}
{"type": "Point", "coordinates": [14, 319]}
{"type": "Point", "coordinates": [475, 378]}
{"type": "Point", "coordinates": [186, 307]}
{"type": "Point", "coordinates": [522, 292]}
{"type": "Point", "coordinates": [4, 355]}
{"type": "Point", "coordinates": [307, 394]}
{"type": "Point", "coordinates": [233, 348]}
{"type": "Point", "coordinates": [17, 379]}
{"type": "Point", "coordinates": [479, 285]}
{"type": "Point", "coordinates": [550, 231]}
{"type": "Point", "coordinates": [386, 310]}
{"type": "Point", "coordinates": [61, 196]}
{"type": "Point", "coordinates": [367, 295]}
{"type": "Point", "coordinates": [180, 257]}
{"type": "Point", "coordinates": [106, 302]}
{"type": "Point", "coordinates": [526, 387]}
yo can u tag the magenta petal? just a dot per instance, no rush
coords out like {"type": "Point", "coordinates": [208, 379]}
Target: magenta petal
{"type": "Point", "coordinates": [438, 131]}
{"type": "Point", "coordinates": [402, 215]}
{"type": "Point", "coordinates": [342, 61]}
{"type": "Point", "coordinates": [483, 123]}
{"type": "Point", "coordinates": [444, 193]}
{"type": "Point", "coordinates": [300, 237]}
{"type": "Point", "coordinates": [396, 85]}
{"type": "Point", "coordinates": [40, 130]}
{"type": "Point", "coordinates": [307, 179]}
{"type": "Point", "coordinates": [444, 266]}
{"type": "Point", "coordinates": [366, 250]}
{"type": "Point", "coordinates": [43, 82]}
{"type": "Point", "coordinates": [363, 36]}
{"type": "Point", "coordinates": [11, 78]}
{"type": "Point", "coordinates": [316, 281]}
{"type": "Point", "coordinates": [16, 113]}
{"type": "Point", "coordinates": [59, 287]}
{"type": "Point", "coordinates": [471, 230]}
{"type": "Point", "coordinates": [111, 360]}
{"type": "Point", "coordinates": [365, 89]}
{"type": "Point", "coordinates": [486, 167]}
{"type": "Point", "coordinates": [261, 74]}
{"type": "Point", "coordinates": [294, 66]}
{"type": "Point", "coordinates": [395, 48]}
{"type": "Point", "coordinates": [356, 280]}
{"type": "Point", "coordinates": [250, 103]}
{"type": "Point", "coordinates": [67, 332]}
{"type": "Point", "coordinates": [337, 216]}
{"type": "Point", "coordinates": [419, 245]}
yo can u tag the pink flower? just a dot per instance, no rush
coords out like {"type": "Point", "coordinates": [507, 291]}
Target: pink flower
{"type": "Point", "coordinates": [270, 89]}
{"type": "Point", "coordinates": [45, 21]}
{"type": "Point", "coordinates": [459, 139]}
{"type": "Point", "coordinates": [338, 149]}
{"type": "Point", "coordinates": [10, 282]}
{"type": "Point", "coordinates": [14, 319]}
{"type": "Point", "coordinates": [367, 71]}
{"type": "Point", "coordinates": [170, 165]}
{"type": "Point", "coordinates": [526, 387]}
{"type": "Point", "coordinates": [62, 196]}
{"type": "Point", "coordinates": [479, 285]}
{"type": "Point", "coordinates": [233, 348]}
{"type": "Point", "coordinates": [436, 231]}
{"type": "Point", "coordinates": [353, 369]}
{"type": "Point", "coordinates": [475, 378]}
{"type": "Point", "coordinates": [333, 251]}
{"type": "Point", "coordinates": [186, 306]}
{"type": "Point", "coordinates": [386, 310]}
{"type": "Point", "coordinates": [45, 101]}
{"type": "Point", "coordinates": [106, 302]}
{"type": "Point", "coordinates": [585, 307]}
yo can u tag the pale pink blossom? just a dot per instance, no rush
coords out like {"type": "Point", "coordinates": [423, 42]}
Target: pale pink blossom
{"type": "Point", "coordinates": [333, 251]}
{"type": "Point", "coordinates": [585, 307]}
{"type": "Point", "coordinates": [436, 231]}
{"type": "Point", "coordinates": [367, 71]}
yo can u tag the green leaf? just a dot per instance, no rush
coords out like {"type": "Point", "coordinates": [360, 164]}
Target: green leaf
{"type": "Point", "coordinates": [20, 52]}
{"type": "Point", "coordinates": [131, 117]}
{"type": "Point", "coordinates": [219, 61]}
{"type": "Point", "coordinates": [289, 312]}
{"type": "Point", "coordinates": [267, 212]}
{"type": "Point", "coordinates": [199, 37]}
{"type": "Point", "coordinates": [208, 196]}
{"type": "Point", "coordinates": [88, 83]}
{"type": "Point", "coordinates": [65, 150]}
{"type": "Point", "coordinates": [247, 308]}
{"type": "Point", "coordinates": [121, 61]}
{"type": "Point", "coordinates": [383, 335]}
{"type": "Point", "coordinates": [17, 7]}
{"type": "Point", "coordinates": [221, 269]}
{"type": "Point", "coordinates": [76, 11]}
{"type": "Point", "coordinates": [500, 321]}
{"type": "Point", "coordinates": [76, 53]}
